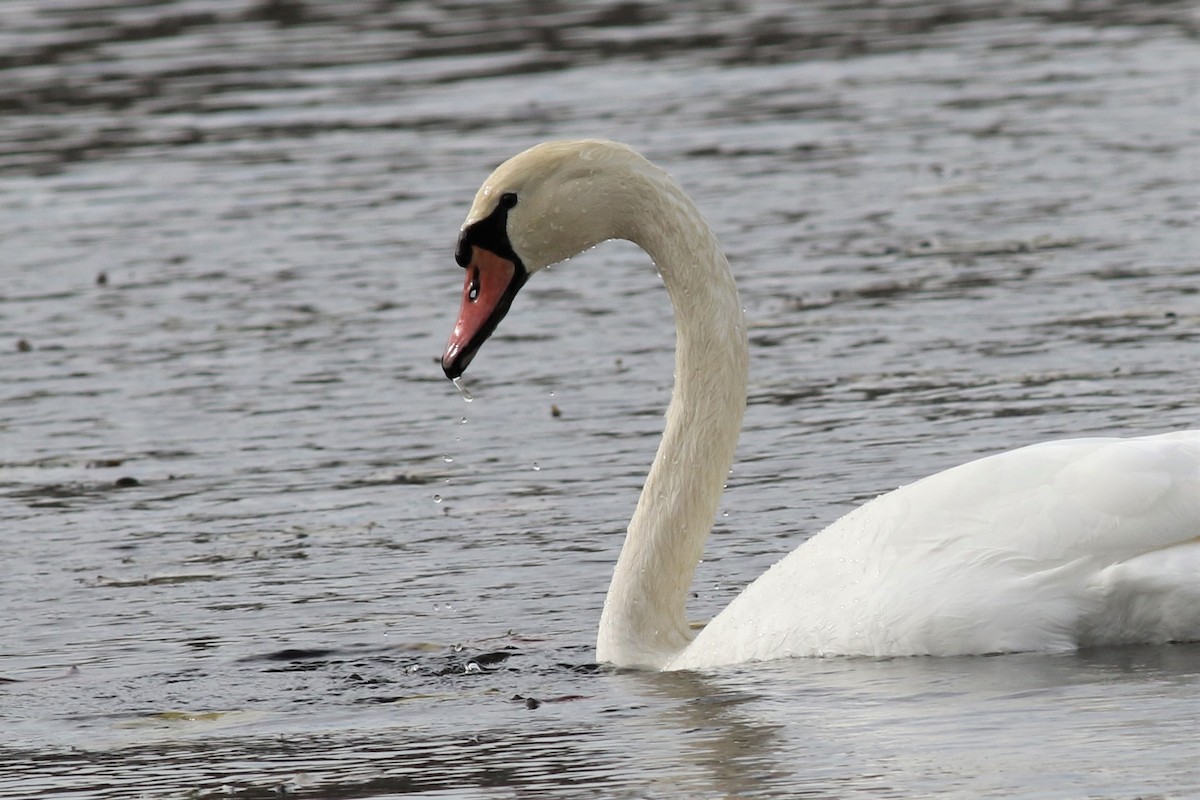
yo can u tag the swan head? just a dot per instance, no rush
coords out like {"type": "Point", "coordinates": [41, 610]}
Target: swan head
{"type": "Point", "coordinates": [538, 208]}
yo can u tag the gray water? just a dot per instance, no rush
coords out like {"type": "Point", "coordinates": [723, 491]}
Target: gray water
{"type": "Point", "coordinates": [254, 545]}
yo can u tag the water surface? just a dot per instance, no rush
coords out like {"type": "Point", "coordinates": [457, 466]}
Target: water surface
{"type": "Point", "coordinates": [254, 544]}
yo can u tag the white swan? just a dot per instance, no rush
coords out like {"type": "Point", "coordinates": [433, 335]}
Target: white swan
{"type": "Point", "coordinates": [1051, 547]}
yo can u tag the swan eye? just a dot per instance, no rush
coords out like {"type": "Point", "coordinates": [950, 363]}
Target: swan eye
{"type": "Point", "coordinates": [508, 200]}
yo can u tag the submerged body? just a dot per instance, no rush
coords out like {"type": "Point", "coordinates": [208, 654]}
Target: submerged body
{"type": "Point", "coordinates": [1049, 547]}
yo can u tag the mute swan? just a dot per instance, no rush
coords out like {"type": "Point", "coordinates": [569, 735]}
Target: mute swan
{"type": "Point", "coordinates": [1049, 547]}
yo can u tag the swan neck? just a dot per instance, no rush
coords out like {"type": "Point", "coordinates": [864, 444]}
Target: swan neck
{"type": "Point", "coordinates": [644, 622]}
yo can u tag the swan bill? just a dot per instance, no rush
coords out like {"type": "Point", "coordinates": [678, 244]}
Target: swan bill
{"type": "Point", "coordinates": [491, 283]}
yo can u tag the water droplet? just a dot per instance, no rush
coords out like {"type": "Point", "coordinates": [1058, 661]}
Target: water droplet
{"type": "Point", "coordinates": [448, 459]}
{"type": "Point", "coordinates": [724, 513]}
{"type": "Point", "coordinates": [437, 498]}
{"type": "Point", "coordinates": [473, 667]}
{"type": "Point", "coordinates": [462, 421]}
{"type": "Point", "coordinates": [463, 390]}
{"type": "Point", "coordinates": [414, 667]}
{"type": "Point", "coordinates": [536, 468]}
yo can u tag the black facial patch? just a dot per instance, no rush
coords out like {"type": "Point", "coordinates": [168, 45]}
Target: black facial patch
{"type": "Point", "coordinates": [489, 233]}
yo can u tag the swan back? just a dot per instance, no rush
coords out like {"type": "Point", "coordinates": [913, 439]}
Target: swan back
{"type": "Point", "coordinates": [1049, 547]}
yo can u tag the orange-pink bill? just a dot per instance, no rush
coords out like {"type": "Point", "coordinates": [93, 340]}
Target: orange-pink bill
{"type": "Point", "coordinates": [488, 290]}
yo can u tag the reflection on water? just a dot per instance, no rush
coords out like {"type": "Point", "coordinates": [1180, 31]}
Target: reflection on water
{"type": "Point", "coordinates": [256, 546]}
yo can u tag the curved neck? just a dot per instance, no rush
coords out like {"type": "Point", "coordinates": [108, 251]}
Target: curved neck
{"type": "Point", "coordinates": [644, 621]}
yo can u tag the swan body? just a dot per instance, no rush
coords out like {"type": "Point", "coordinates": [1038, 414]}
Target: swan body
{"type": "Point", "coordinates": [1050, 547]}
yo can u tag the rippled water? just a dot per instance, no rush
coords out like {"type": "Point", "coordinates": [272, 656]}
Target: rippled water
{"type": "Point", "coordinates": [255, 545]}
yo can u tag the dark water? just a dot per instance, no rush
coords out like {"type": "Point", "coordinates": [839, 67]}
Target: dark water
{"type": "Point", "coordinates": [254, 545]}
